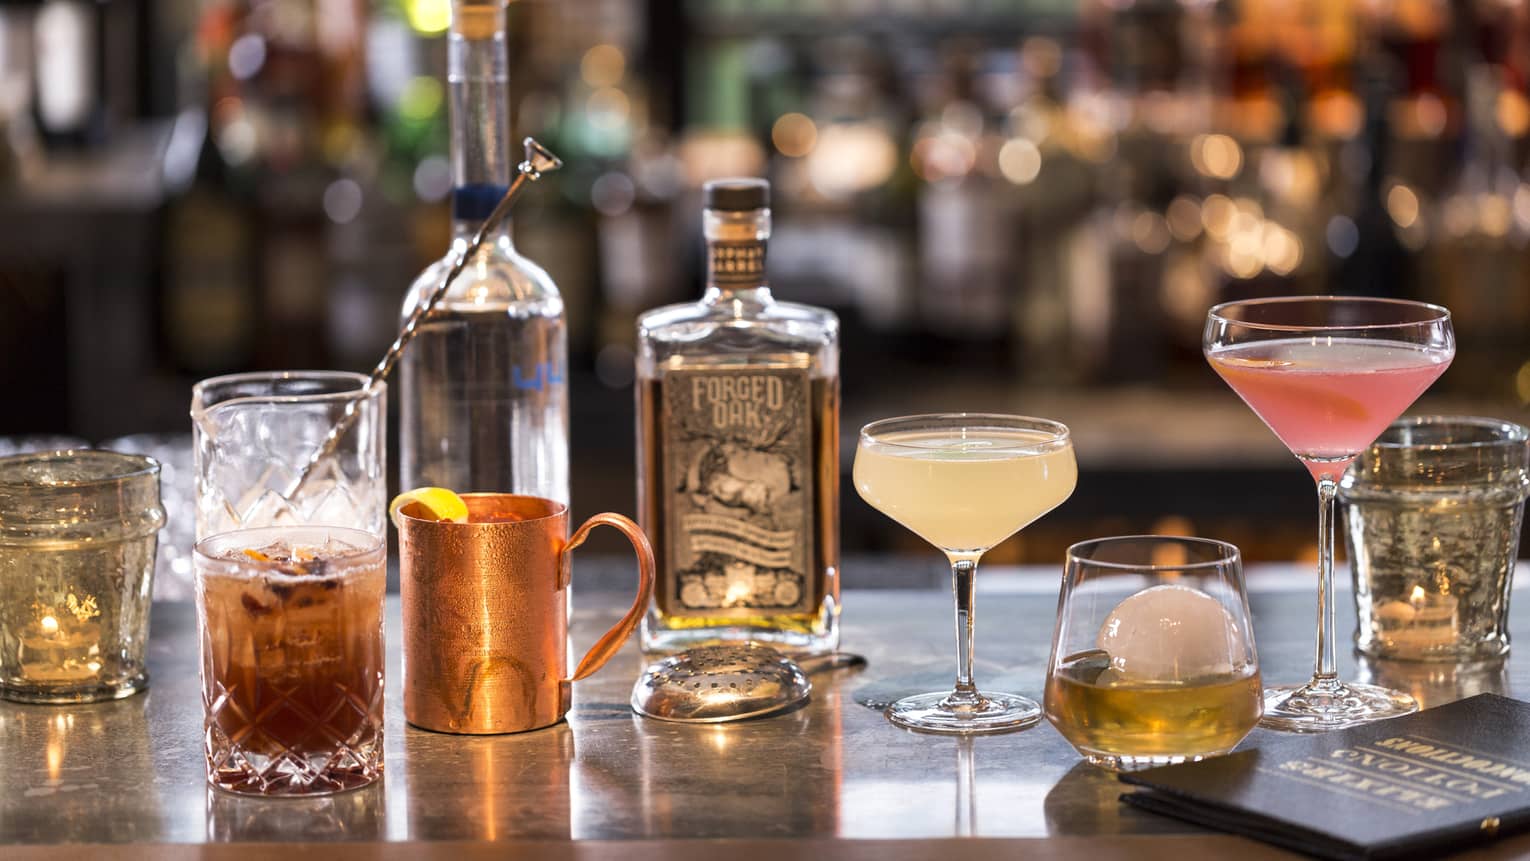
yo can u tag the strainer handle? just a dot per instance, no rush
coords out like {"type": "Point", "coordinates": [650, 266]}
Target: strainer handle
{"type": "Point", "coordinates": [608, 645]}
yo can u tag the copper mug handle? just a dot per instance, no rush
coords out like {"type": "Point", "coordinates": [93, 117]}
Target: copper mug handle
{"type": "Point", "coordinates": [608, 645]}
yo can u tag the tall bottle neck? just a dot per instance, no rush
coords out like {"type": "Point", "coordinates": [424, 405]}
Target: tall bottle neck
{"type": "Point", "coordinates": [479, 112]}
{"type": "Point", "coordinates": [736, 255]}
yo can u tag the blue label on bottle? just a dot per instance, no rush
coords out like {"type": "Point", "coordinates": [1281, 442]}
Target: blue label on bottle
{"type": "Point", "coordinates": [474, 202]}
{"type": "Point", "coordinates": [544, 375]}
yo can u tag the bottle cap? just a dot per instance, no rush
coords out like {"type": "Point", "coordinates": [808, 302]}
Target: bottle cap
{"type": "Point", "coordinates": [738, 194]}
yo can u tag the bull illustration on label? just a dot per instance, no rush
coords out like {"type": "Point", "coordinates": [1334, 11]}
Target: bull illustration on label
{"type": "Point", "coordinates": [731, 477]}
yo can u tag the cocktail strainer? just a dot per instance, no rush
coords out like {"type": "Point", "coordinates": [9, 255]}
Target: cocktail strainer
{"type": "Point", "coordinates": [713, 684]}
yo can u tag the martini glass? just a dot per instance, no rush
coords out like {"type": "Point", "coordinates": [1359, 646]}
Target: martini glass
{"type": "Point", "coordinates": [1327, 374]}
{"type": "Point", "coordinates": [964, 482]}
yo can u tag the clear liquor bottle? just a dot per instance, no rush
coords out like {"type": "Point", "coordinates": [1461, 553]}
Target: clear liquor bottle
{"type": "Point", "coordinates": [738, 450]}
{"type": "Point", "coordinates": [485, 404]}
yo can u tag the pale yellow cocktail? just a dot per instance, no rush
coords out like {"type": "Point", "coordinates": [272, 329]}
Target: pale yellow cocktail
{"type": "Point", "coordinates": [965, 493]}
{"type": "Point", "coordinates": [964, 482]}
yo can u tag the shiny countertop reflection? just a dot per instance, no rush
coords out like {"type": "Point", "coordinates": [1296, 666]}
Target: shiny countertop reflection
{"type": "Point", "coordinates": [132, 770]}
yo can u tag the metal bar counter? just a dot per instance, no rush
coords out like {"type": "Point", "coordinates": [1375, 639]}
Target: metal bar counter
{"type": "Point", "coordinates": [832, 779]}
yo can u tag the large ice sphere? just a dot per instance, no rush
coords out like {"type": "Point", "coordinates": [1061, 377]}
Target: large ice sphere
{"type": "Point", "coordinates": [1170, 634]}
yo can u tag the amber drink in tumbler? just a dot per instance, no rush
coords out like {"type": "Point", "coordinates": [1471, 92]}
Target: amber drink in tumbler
{"type": "Point", "coordinates": [1153, 659]}
{"type": "Point", "coordinates": [292, 658]}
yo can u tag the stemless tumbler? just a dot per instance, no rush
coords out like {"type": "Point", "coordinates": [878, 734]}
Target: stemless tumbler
{"type": "Point", "coordinates": [1153, 658]}
{"type": "Point", "coordinates": [255, 434]}
{"type": "Point", "coordinates": [291, 624]}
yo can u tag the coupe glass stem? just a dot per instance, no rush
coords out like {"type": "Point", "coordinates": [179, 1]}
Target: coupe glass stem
{"type": "Point", "coordinates": [1325, 673]}
{"type": "Point", "coordinates": [964, 584]}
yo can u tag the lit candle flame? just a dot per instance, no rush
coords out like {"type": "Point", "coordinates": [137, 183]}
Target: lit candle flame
{"type": "Point", "coordinates": [49, 625]}
{"type": "Point", "coordinates": [1417, 598]}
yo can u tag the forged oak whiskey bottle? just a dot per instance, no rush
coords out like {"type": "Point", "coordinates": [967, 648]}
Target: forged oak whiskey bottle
{"type": "Point", "coordinates": [738, 450]}
{"type": "Point", "coordinates": [484, 400]}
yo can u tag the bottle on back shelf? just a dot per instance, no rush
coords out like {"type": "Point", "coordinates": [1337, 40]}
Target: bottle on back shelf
{"type": "Point", "coordinates": [485, 403]}
{"type": "Point", "coordinates": [738, 450]}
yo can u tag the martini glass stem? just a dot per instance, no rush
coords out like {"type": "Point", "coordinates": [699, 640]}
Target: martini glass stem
{"type": "Point", "coordinates": [964, 582]}
{"type": "Point", "coordinates": [1325, 675]}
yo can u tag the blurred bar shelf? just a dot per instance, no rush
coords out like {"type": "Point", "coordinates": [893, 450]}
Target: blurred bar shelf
{"type": "Point", "coordinates": [83, 230]}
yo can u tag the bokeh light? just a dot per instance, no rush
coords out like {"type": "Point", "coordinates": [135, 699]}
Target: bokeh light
{"type": "Point", "coordinates": [1495, 215]}
{"type": "Point", "coordinates": [1402, 205]}
{"type": "Point", "coordinates": [1217, 215]}
{"type": "Point", "coordinates": [850, 158]}
{"type": "Point", "coordinates": [1217, 156]}
{"type": "Point", "coordinates": [1522, 383]}
{"type": "Point", "coordinates": [603, 66]}
{"type": "Point", "coordinates": [432, 178]}
{"type": "Point", "coordinates": [1458, 215]}
{"type": "Point", "coordinates": [246, 56]}
{"type": "Point", "coordinates": [1184, 218]}
{"type": "Point", "coordinates": [794, 135]}
{"type": "Point", "coordinates": [608, 108]}
{"type": "Point", "coordinates": [421, 98]}
{"type": "Point", "coordinates": [1150, 232]}
{"type": "Point", "coordinates": [1522, 207]}
{"type": "Point", "coordinates": [342, 200]}
{"type": "Point", "coordinates": [430, 17]}
{"type": "Point", "coordinates": [1282, 249]}
{"type": "Point", "coordinates": [1513, 113]}
{"type": "Point", "coordinates": [613, 193]}
{"type": "Point", "coordinates": [1019, 161]}
{"type": "Point", "coordinates": [1342, 235]}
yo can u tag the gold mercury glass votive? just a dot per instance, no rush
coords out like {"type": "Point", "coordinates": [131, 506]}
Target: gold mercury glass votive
{"type": "Point", "coordinates": [1434, 509]}
{"type": "Point", "coordinates": [78, 531]}
{"type": "Point", "coordinates": [1153, 658]}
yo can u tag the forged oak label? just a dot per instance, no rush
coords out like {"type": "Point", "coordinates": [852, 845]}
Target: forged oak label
{"type": "Point", "coordinates": [738, 490]}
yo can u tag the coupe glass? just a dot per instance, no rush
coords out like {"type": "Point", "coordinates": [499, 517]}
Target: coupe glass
{"type": "Point", "coordinates": [1327, 374]}
{"type": "Point", "coordinates": [964, 482]}
{"type": "Point", "coordinates": [1153, 658]}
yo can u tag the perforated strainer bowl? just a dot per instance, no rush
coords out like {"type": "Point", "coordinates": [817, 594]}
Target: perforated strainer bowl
{"type": "Point", "coordinates": [712, 684]}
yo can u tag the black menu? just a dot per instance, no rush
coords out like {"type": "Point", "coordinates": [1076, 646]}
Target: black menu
{"type": "Point", "coordinates": [1411, 787]}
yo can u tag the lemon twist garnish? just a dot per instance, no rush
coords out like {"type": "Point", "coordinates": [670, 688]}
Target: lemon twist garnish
{"type": "Point", "coordinates": [428, 503]}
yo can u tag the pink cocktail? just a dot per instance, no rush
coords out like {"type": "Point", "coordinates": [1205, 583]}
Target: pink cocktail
{"type": "Point", "coordinates": [1328, 374]}
{"type": "Point", "coordinates": [1326, 398]}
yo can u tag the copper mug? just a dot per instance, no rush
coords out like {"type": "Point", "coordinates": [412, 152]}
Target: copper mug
{"type": "Point", "coordinates": [486, 614]}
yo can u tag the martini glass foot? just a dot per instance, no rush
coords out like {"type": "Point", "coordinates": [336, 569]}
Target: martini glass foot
{"type": "Point", "coordinates": [943, 712]}
{"type": "Point", "coordinates": [1324, 705]}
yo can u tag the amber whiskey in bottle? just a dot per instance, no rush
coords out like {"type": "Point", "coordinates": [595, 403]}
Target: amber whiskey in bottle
{"type": "Point", "coordinates": [738, 450]}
